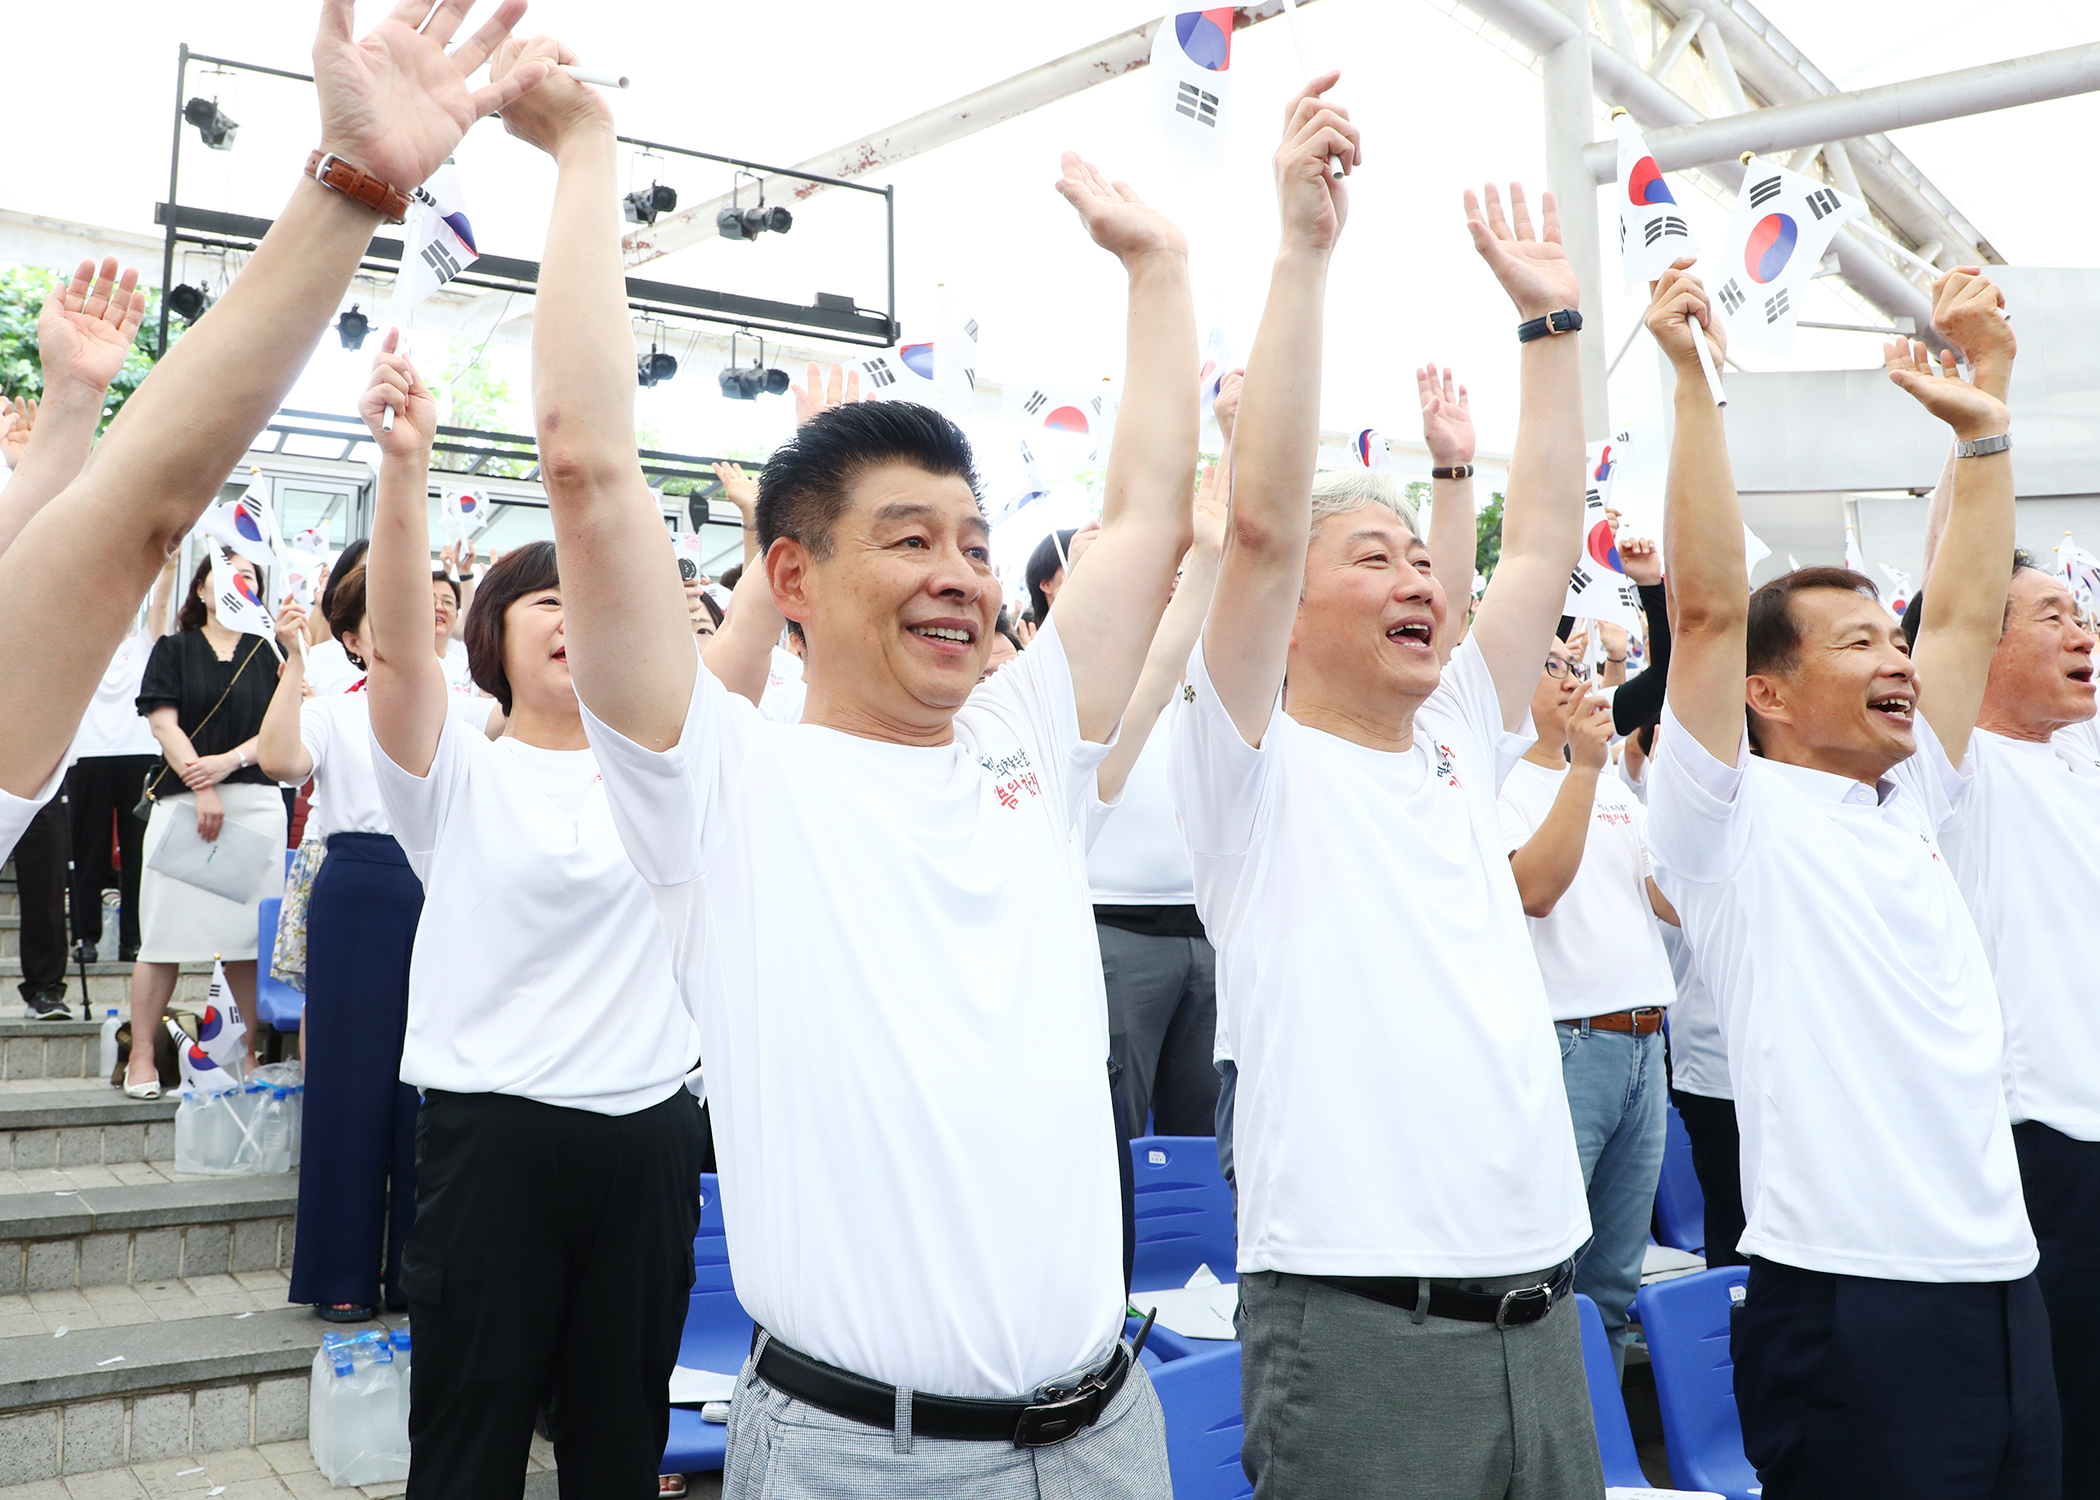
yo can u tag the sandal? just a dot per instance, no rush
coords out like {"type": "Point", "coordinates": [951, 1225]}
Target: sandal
{"type": "Point", "coordinates": [150, 1089]}
{"type": "Point", "coordinates": [346, 1312]}
{"type": "Point", "coordinates": [670, 1484]}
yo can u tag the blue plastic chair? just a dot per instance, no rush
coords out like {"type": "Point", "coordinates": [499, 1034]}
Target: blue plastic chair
{"type": "Point", "coordinates": [1687, 1326]}
{"type": "Point", "coordinates": [717, 1337]}
{"type": "Point", "coordinates": [1200, 1394]}
{"type": "Point", "coordinates": [276, 1002]}
{"type": "Point", "coordinates": [1680, 1207]}
{"type": "Point", "coordinates": [1622, 1463]}
{"type": "Point", "coordinates": [1184, 1212]}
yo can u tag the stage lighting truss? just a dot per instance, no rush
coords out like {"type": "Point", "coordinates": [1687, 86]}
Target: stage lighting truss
{"type": "Point", "coordinates": [739, 223]}
{"type": "Point", "coordinates": [749, 382]}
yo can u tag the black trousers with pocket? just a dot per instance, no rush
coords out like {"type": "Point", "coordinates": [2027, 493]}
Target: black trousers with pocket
{"type": "Point", "coordinates": [552, 1253]}
{"type": "Point", "coordinates": [102, 791]}
{"type": "Point", "coordinates": [2061, 1176]}
{"type": "Point", "coordinates": [1717, 1161]}
{"type": "Point", "coordinates": [1852, 1387]}
{"type": "Point", "coordinates": [40, 880]}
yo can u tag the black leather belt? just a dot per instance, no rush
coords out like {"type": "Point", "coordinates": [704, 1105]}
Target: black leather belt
{"type": "Point", "coordinates": [1062, 1411]}
{"type": "Point", "coordinates": [1445, 1299]}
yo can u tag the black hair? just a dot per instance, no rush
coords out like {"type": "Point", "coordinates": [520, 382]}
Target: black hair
{"type": "Point", "coordinates": [806, 484]}
{"type": "Point", "coordinates": [438, 575]}
{"type": "Point", "coordinates": [714, 610]}
{"type": "Point", "coordinates": [730, 579]}
{"type": "Point", "coordinates": [345, 610]}
{"type": "Point", "coordinates": [192, 616]}
{"type": "Point", "coordinates": [1005, 626]}
{"type": "Point", "coordinates": [1044, 564]}
{"type": "Point", "coordinates": [2023, 561]}
{"type": "Point", "coordinates": [347, 561]}
{"type": "Point", "coordinates": [795, 630]}
{"type": "Point", "coordinates": [523, 570]}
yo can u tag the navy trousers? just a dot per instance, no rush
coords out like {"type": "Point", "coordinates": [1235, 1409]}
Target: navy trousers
{"type": "Point", "coordinates": [2062, 1180]}
{"type": "Point", "coordinates": [357, 1171]}
{"type": "Point", "coordinates": [1852, 1386]}
{"type": "Point", "coordinates": [1717, 1162]}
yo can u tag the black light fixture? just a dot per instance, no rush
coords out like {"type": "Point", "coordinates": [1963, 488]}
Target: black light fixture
{"type": "Point", "coordinates": [749, 382]}
{"type": "Point", "coordinates": [189, 303]}
{"type": "Point", "coordinates": [212, 122]}
{"type": "Point", "coordinates": [654, 366]}
{"type": "Point", "coordinates": [696, 509]}
{"type": "Point", "coordinates": [352, 327]}
{"type": "Point", "coordinates": [739, 223]}
{"type": "Point", "coordinates": [644, 204]}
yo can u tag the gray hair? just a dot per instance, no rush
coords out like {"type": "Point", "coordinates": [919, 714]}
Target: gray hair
{"type": "Point", "coordinates": [1339, 491]}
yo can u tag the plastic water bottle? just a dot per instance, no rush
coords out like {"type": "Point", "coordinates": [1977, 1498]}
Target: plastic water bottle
{"type": "Point", "coordinates": [404, 1361]}
{"type": "Point", "coordinates": [110, 1023]}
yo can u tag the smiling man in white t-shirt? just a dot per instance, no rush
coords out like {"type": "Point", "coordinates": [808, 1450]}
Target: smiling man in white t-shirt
{"type": "Point", "coordinates": [879, 914]}
{"type": "Point", "coordinates": [1409, 1196]}
{"type": "Point", "coordinates": [1894, 1340]}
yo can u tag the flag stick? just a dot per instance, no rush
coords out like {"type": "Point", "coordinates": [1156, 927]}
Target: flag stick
{"type": "Point", "coordinates": [603, 80]}
{"type": "Point", "coordinates": [1706, 363]}
{"type": "Point", "coordinates": [396, 313]}
{"type": "Point", "coordinates": [1290, 14]}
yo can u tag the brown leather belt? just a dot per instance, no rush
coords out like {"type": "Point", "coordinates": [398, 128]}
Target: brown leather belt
{"type": "Point", "coordinates": [1644, 1022]}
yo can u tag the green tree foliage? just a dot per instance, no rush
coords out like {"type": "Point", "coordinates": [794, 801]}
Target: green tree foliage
{"type": "Point", "coordinates": [469, 394]}
{"type": "Point", "coordinates": [22, 293]}
{"type": "Point", "coordinates": [1487, 549]}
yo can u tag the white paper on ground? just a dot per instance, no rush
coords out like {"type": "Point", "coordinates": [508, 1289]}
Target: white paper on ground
{"type": "Point", "coordinates": [1629, 1492]}
{"type": "Point", "coordinates": [1666, 1260]}
{"type": "Point", "coordinates": [690, 1387]}
{"type": "Point", "coordinates": [1201, 1310]}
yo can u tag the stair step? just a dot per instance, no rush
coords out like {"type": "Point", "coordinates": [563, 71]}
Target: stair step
{"type": "Point", "coordinates": [46, 1049]}
{"type": "Point", "coordinates": [89, 1125]}
{"type": "Point", "coordinates": [128, 1234]}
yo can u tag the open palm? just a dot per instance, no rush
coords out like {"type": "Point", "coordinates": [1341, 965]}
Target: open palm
{"type": "Point", "coordinates": [87, 325]}
{"type": "Point", "coordinates": [1447, 417]}
{"type": "Point", "coordinates": [1120, 222]}
{"type": "Point", "coordinates": [1532, 267]}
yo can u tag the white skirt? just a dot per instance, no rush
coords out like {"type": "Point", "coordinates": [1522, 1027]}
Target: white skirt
{"type": "Point", "coordinates": [183, 923]}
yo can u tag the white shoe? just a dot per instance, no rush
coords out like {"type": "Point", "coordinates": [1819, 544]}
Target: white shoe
{"type": "Point", "coordinates": [148, 1090]}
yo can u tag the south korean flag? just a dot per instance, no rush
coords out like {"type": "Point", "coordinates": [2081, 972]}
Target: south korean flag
{"type": "Point", "coordinates": [1784, 222]}
{"type": "Point", "coordinates": [1652, 230]}
{"type": "Point", "coordinates": [904, 373]}
{"type": "Point", "coordinates": [439, 243]}
{"type": "Point", "coordinates": [1191, 55]}
{"type": "Point", "coordinates": [239, 606]}
{"type": "Point", "coordinates": [1598, 589]}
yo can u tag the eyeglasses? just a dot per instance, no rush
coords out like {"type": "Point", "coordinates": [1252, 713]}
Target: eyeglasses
{"type": "Point", "coordinates": [1557, 669]}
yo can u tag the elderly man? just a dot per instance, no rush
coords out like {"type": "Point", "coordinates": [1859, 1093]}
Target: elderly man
{"type": "Point", "coordinates": [1894, 1340]}
{"type": "Point", "coordinates": [1410, 1198]}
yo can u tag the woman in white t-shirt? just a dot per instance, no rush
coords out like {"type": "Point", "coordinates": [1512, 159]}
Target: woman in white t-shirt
{"type": "Point", "coordinates": [360, 926]}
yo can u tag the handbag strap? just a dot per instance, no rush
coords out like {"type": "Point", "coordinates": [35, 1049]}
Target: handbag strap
{"type": "Point", "coordinates": [236, 677]}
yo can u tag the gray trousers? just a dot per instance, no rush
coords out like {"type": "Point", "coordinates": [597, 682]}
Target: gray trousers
{"type": "Point", "coordinates": [1162, 1027]}
{"type": "Point", "coordinates": [1344, 1396]}
{"type": "Point", "coordinates": [784, 1449]}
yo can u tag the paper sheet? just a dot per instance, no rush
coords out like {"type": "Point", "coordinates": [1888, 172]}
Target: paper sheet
{"type": "Point", "coordinates": [690, 1387]}
{"type": "Point", "coordinates": [1201, 1310]}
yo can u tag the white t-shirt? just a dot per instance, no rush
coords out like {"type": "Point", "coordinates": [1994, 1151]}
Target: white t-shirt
{"type": "Point", "coordinates": [785, 691]}
{"type": "Point", "coordinates": [337, 733]}
{"type": "Point", "coordinates": [539, 967]}
{"type": "Point", "coordinates": [15, 812]}
{"type": "Point", "coordinates": [1862, 1027]}
{"type": "Point", "coordinates": [1599, 949]}
{"type": "Point", "coordinates": [330, 670]}
{"type": "Point", "coordinates": [1400, 1109]}
{"type": "Point", "coordinates": [894, 966]}
{"type": "Point", "coordinates": [1698, 1052]}
{"type": "Point", "coordinates": [2025, 847]}
{"type": "Point", "coordinates": [113, 724]}
{"type": "Point", "coordinates": [1135, 852]}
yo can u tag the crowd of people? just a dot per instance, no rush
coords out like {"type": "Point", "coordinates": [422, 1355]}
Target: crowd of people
{"type": "Point", "coordinates": [1249, 821]}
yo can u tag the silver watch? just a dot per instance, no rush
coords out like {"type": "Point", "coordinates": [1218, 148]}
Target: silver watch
{"type": "Point", "coordinates": [1983, 447]}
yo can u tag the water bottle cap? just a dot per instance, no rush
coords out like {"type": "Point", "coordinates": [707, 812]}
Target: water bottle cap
{"type": "Point", "coordinates": [401, 1340]}
{"type": "Point", "coordinates": [112, 1010]}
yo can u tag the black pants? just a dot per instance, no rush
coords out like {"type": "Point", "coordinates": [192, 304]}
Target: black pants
{"type": "Point", "coordinates": [1850, 1387]}
{"type": "Point", "coordinates": [1717, 1161]}
{"type": "Point", "coordinates": [553, 1252]}
{"type": "Point", "coordinates": [1162, 1026]}
{"type": "Point", "coordinates": [101, 791]}
{"type": "Point", "coordinates": [40, 879]}
{"type": "Point", "coordinates": [2062, 1179]}
{"type": "Point", "coordinates": [357, 1176]}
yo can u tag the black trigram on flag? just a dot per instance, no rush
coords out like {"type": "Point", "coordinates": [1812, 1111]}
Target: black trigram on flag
{"type": "Point", "coordinates": [1670, 226]}
{"type": "Point", "coordinates": [1822, 203]}
{"type": "Point", "coordinates": [878, 372]}
{"type": "Point", "coordinates": [439, 259]}
{"type": "Point", "coordinates": [1035, 403]}
{"type": "Point", "coordinates": [1197, 105]}
{"type": "Point", "coordinates": [1732, 297]}
{"type": "Point", "coordinates": [1764, 192]}
{"type": "Point", "coordinates": [970, 328]}
{"type": "Point", "coordinates": [1776, 306]}
{"type": "Point", "coordinates": [1579, 579]}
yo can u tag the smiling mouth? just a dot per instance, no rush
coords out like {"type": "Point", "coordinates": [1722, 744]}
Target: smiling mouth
{"type": "Point", "coordinates": [1415, 633]}
{"type": "Point", "coordinates": [2081, 674]}
{"type": "Point", "coordinates": [940, 633]}
{"type": "Point", "coordinates": [1895, 708]}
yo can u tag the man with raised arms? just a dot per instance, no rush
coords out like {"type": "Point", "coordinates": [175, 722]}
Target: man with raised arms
{"type": "Point", "coordinates": [1410, 1197]}
{"type": "Point", "coordinates": [879, 915]}
{"type": "Point", "coordinates": [1893, 1340]}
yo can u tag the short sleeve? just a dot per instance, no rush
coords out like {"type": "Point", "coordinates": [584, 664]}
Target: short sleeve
{"type": "Point", "coordinates": [417, 806]}
{"type": "Point", "coordinates": [474, 711]}
{"type": "Point", "coordinates": [161, 686]}
{"type": "Point", "coordinates": [1696, 809]}
{"type": "Point", "coordinates": [1465, 703]}
{"type": "Point", "coordinates": [1033, 698]}
{"type": "Point", "coordinates": [1932, 783]}
{"type": "Point", "coordinates": [316, 730]}
{"type": "Point", "coordinates": [662, 799]}
{"type": "Point", "coordinates": [1516, 828]}
{"type": "Point", "coordinates": [1219, 781]}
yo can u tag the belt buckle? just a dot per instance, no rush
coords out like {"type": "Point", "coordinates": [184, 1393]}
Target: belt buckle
{"type": "Point", "coordinates": [1049, 1422]}
{"type": "Point", "coordinates": [1540, 1296]}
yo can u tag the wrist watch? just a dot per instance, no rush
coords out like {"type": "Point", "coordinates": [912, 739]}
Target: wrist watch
{"type": "Point", "coordinates": [1983, 447]}
{"type": "Point", "coordinates": [1567, 320]}
{"type": "Point", "coordinates": [1455, 471]}
{"type": "Point", "coordinates": [355, 183]}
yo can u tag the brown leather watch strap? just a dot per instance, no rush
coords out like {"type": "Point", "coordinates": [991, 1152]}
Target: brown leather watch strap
{"type": "Point", "coordinates": [354, 182]}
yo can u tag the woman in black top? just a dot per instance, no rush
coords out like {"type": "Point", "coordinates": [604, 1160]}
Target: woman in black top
{"type": "Point", "coordinates": [205, 691]}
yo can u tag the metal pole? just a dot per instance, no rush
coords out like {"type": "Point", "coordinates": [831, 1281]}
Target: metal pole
{"type": "Point", "coordinates": [1570, 113]}
{"type": "Point", "coordinates": [167, 254]}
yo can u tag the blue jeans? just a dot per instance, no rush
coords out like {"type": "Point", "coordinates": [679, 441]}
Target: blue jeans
{"type": "Point", "coordinates": [1616, 1094]}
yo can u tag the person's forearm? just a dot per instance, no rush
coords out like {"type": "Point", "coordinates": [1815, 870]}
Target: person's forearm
{"type": "Point", "coordinates": [1151, 462]}
{"type": "Point", "coordinates": [175, 746]}
{"type": "Point", "coordinates": [1936, 510]}
{"type": "Point", "coordinates": [1641, 700]}
{"type": "Point", "coordinates": [1276, 440]}
{"type": "Point", "coordinates": [1453, 540]}
{"type": "Point", "coordinates": [405, 682]}
{"type": "Point", "coordinates": [1165, 663]}
{"type": "Point", "coordinates": [57, 451]}
{"type": "Point", "coordinates": [1545, 866]}
{"type": "Point", "coordinates": [1542, 508]}
{"type": "Point", "coordinates": [741, 652]}
{"type": "Point", "coordinates": [1703, 517]}
{"type": "Point", "coordinates": [278, 749]}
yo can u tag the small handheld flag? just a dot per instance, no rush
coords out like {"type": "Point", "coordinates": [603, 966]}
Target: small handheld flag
{"type": "Point", "coordinates": [438, 245]}
{"type": "Point", "coordinates": [954, 358]}
{"type": "Point", "coordinates": [1599, 589]}
{"type": "Point", "coordinates": [243, 526]}
{"type": "Point", "coordinates": [1191, 53]}
{"type": "Point", "coordinates": [239, 606]}
{"type": "Point", "coordinates": [1784, 222]}
{"type": "Point", "coordinates": [2080, 571]}
{"type": "Point", "coordinates": [1653, 233]}
{"type": "Point", "coordinates": [1372, 452]}
{"type": "Point", "coordinates": [221, 1032]}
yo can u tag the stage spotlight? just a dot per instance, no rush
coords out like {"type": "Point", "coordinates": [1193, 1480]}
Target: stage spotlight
{"type": "Point", "coordinates": [352, 327]}
{"type": "Point", "coordinates": [211, 122]}
{"type": "Point", "coordinates": [750, 223]}
{"type": "Point", "coordinates": [653, 366]}
{"type": "Point", "coordinates": [188, 303]}
{"type": "Point", "coordinates": [777, 382]}
{"type": "Point", "coordinates": [643, 205]}
{"type": "Point", "coordinates": [749, 382]}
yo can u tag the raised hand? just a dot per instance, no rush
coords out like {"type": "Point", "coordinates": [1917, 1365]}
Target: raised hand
{"type": "Point", "coordinates": [1447, 418]}
{"type": "Point", "coordinates": [821, 394]}
{"type": "Point", "coordinates": [17, 420]}
{"type": "Point", "coordinates": [1589, 732]}
{"type": "Point", "coordinates": [395, 103]}
{"type": "Point", "coordinates": [558, 104]}
{"type": "Point", "coordinates": [1119, 220]}
{"type": "Point", "coordinates": [1313, 200]}
{"type": "Point", "coordinates": [1676, 303]}
{"type": "Point", "coordinates": [396, 387]}
{"type": "Point", "coordinates": [1967, 309]}
{"type": "Point", "coordinates": [1227, 407]}
{"type": "Point", "coordinates": [1616, 640]}
{"type": "Point", "coordinates": [291, 624]}
{"type": "Point", "coordinates": [1533, 268]}
{"type": "Point", "coordinates": [1643, 562]}
{"type": "Point", "coordinates": [87, 325]}
{"type": "Point", "coordinates": [1212, 509]}
{"type": "Point", "coordinates": [739, 488]}
{"type": "Point", "coordinates": [1972, 412]}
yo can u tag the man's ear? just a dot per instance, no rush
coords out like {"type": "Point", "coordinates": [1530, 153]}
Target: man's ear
{"type": "Point", "coordinates": [789, 567]}
{"type": "Point", "coordinates": [1767, 698]}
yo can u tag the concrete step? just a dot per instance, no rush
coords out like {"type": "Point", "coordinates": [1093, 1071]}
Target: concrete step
{"type": "Point", "coordinates": [108, 983]}
{"type": "Point", "coordinates": [130, 1233]}
{"type": "Point", "coordinates": [46, 1049]}
{"type": "Point", "coordinates": [89, 1125]}
{"type": "Point", "coordinates": [11, 939]}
